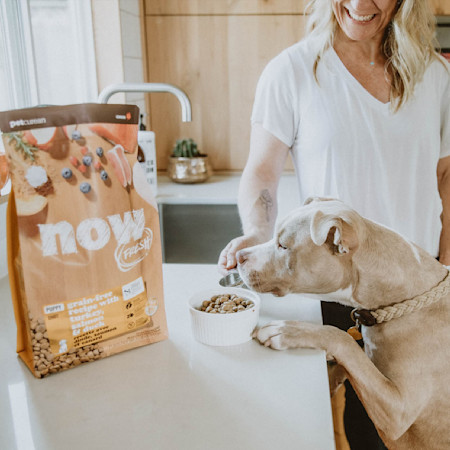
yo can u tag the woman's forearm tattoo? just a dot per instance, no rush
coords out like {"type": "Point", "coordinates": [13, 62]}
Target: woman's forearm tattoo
{"type": "Point", "coordinates": [266, 201]}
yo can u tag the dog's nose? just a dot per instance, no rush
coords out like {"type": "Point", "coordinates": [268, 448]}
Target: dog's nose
{"type": "Point", "coordinates": [241, 256]}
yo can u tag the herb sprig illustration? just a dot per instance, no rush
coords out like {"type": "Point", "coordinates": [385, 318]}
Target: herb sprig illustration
{"type": "Point", "coordinates": [21, 145]}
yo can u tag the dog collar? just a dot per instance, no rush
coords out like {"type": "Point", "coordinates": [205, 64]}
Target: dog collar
{"type": "Point", "coordinates": [370, 317]}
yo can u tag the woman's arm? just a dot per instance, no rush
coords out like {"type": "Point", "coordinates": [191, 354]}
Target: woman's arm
{"type": "Point", "coordinates": [257, 199]}
{"type": "Point", "coordinates": [443, 174]}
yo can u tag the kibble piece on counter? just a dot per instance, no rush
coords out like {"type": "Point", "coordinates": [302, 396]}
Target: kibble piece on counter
{"type": "Point", "coordinates": [226, 304]}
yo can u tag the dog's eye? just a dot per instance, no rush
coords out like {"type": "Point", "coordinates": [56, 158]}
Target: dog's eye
{"type": "Point", "coordinates": [282, 246]}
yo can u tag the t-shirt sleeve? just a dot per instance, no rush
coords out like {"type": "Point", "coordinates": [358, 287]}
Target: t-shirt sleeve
{"type": "Point", "coordinates": [445, 114]}
{"type": "Point", "coordinates": [276, 100]}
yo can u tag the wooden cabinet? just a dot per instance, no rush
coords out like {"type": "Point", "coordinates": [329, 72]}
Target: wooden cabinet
{"type": "Point", "coordinates": [441, 7]}
{"type": "Point", "coordinates": [216, 58]}
{"type": "Point", "coordinates": [229, 7]}
{"type": "Point", "coordinates": [224, 7]}
{"type": "Point", "coordinates": [215, 51]}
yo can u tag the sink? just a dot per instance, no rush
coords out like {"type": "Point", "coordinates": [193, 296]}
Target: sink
{"type": "Point", "coordinates": [197, 233]}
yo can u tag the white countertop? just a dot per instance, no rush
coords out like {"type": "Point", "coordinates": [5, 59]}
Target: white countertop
{"type": "Point", "coordinates": [222, 188]}
{"type": "Point", "coordinates": [175, 394]}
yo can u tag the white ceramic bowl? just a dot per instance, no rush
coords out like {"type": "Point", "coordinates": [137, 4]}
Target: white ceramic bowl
{"type": "Point", "coordinates": [223, 329]}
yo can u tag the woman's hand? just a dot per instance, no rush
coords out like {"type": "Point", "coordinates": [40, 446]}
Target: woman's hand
{"type": "Point", "coordinates": [227, 258]}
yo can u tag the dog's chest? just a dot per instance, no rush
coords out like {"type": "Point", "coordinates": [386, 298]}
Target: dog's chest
{"type": "Point", "coordinates": [370, 345]}
{"type": "Point", "coordinates": [383, 345]}
{"type": "Point", "coordinates": [412, 343]}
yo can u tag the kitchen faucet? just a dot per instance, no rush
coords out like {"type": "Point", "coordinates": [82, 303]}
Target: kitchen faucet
{"type": "Point", "coordinates": [186, 114]}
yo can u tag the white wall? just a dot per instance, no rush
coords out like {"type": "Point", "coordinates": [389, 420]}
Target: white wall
{"type": "Point", "coordinates": [117, 34]}
{"type": "Point", "coordinates": [133, 63]}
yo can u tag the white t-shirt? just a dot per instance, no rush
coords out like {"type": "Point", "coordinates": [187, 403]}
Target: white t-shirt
{"type": "Point", "coordinates": [348, 145]}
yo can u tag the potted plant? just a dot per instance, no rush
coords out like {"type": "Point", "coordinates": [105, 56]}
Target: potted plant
{"type": "Point", "coordinates": [187, 164]}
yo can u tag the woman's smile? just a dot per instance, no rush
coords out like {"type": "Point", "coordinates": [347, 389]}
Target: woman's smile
{"type": "Point", "coordinates": [363, 20]}
{"type": "Point", "coordinates": [359, 18]}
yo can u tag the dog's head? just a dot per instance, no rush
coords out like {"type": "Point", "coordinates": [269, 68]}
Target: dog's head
{"type": "Point", "coordinates": [311, 251]}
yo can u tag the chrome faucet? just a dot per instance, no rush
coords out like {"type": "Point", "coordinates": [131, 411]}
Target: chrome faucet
{"type": "Point", "coordinates": [186, 113]}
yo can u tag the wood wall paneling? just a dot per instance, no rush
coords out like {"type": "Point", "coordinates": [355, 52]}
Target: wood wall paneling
{"type": "Point", "coordinates": [225, 7]}
{"type": "Point", "coordinates": [217, 61]}
{"type": "Point", "coordinates": [441, 7]}
{"type": "Point", "coordinates": [228, 7]}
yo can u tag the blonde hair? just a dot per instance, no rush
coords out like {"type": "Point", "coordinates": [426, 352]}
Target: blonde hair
{"type": "Point", "coordinates": [409, 43]}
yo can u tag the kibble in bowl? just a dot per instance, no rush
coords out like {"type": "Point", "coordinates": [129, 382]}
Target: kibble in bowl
{"type": "Point", "coordinates": [224, 316]}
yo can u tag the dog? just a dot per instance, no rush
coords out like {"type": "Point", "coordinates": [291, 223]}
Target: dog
{"type": "Point", "coordinates": [401, 300]}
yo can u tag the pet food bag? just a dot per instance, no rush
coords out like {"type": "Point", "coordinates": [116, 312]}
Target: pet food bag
{"type": "Point", "coordinates": [84, 246]}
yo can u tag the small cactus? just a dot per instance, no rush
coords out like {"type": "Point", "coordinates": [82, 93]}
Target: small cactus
{"type": "Point", "coordinates": [186, 148]}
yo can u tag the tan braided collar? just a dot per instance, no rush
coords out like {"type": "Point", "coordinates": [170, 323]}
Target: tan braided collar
{"type": "Point", "coordinates": [370, 317]}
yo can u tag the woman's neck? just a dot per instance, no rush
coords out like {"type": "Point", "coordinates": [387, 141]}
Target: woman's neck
{"type": "Point", "coordinates": [366, 62]}
{"type": "Point", "coordinates": [368, 50]}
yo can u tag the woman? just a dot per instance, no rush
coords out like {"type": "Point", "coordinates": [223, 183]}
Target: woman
{"type": "Point", "coordinates": [363, 106]}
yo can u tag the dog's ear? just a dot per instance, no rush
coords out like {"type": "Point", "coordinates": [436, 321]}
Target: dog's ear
{"type": "Point", "coordinates": [340, 235]}
{"type": "Point", "coordinates": [317, 199]}
{"type": "Point", "coordinates": [309, 200]}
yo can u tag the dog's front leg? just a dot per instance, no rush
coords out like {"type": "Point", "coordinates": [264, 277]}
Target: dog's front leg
{"type": "Point", "coordinates": [391, 407]}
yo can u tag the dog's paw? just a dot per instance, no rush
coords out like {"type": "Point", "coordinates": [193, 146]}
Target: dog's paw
{"type": "Point", "coordinates": [282, 334]}
{"type": "Point", "coordinates": [270, 335]}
